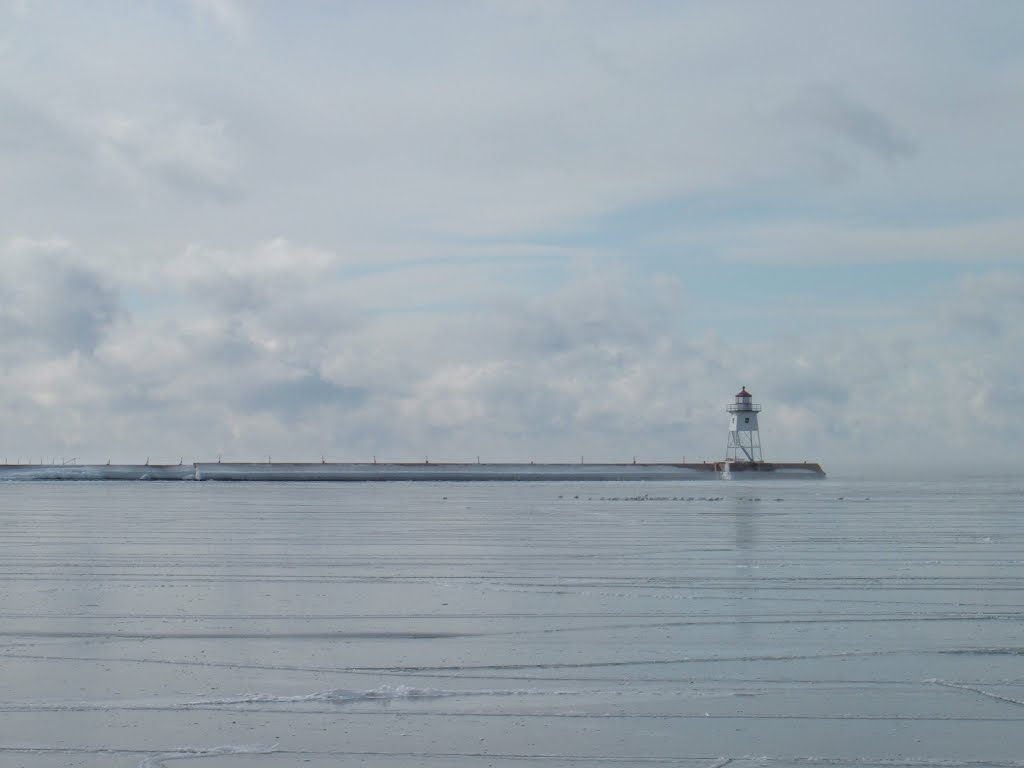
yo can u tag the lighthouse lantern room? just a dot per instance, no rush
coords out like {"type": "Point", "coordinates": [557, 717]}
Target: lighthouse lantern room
{"type": "Point", "coordinates": [744, 439]}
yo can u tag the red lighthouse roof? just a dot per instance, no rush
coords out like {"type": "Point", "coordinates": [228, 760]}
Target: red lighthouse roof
{"type": "Point", "coordinates": [743, 393]}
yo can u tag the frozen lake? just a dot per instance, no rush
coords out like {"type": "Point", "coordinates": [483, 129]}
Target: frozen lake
{"type": "Point", "coordinates": [699, 623]}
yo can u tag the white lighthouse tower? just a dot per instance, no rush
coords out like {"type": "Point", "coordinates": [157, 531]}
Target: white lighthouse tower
{"type": "Point", "coordinates": [744, 438]}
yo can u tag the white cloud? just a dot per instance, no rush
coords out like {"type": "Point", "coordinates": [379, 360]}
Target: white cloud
{"type": "Point", "coordinates": [264, 269]}
{"type": "Point", "coordinates": [227, 13]}
{"type": "Point", "coordinates": [192, 157]}
{"type": "Point", "coordinates": [20, 8]}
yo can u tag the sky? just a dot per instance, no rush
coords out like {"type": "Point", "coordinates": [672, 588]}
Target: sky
{"type": "Point", "coordinates": [511, 229]}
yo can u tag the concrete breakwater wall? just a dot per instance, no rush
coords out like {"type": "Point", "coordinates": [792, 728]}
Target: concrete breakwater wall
{"type": "Point", "coordinates": [378, 472]}
{"type": "Point", "coordinates": [751, 469]}
{"type": "Point", "coordinates": [97, 471]}
{"type": "Point", "coordinates": [453, 472]}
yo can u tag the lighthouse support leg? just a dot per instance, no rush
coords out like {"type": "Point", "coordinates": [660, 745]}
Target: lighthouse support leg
{"type": "Point", "coordinates": [740, 449]}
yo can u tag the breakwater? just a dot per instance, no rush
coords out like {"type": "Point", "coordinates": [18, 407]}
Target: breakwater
{"type": "Point", "coordinates": [425, 471]}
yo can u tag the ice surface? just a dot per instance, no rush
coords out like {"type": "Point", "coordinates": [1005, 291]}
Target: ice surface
{"type": "Point", "coordinates": [511, 624]}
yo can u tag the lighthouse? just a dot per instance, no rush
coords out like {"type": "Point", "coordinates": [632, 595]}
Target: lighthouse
{"type": "Point", "coordinates": [744, 439]}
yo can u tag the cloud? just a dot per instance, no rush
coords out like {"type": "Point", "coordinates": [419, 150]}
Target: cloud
{"type": "Point", "coordinates": [225, 13]}
{"type": "Point", "coordinates": [191, 157]}
{"type": "Point", "coordinates": [26, 126]}
{"type": "Point", "coordinates": [988, 306]}
{"type": "Point", "coordinates": [49, 300]}
{"type": "Point", "coordinates": [295, 396]}
{"type": "Point", "coordinates": [20, 8]}
{"type": "Point", "coordinates": [255, 279]}
{"type": "Point", "coordinates": [841, 116]}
